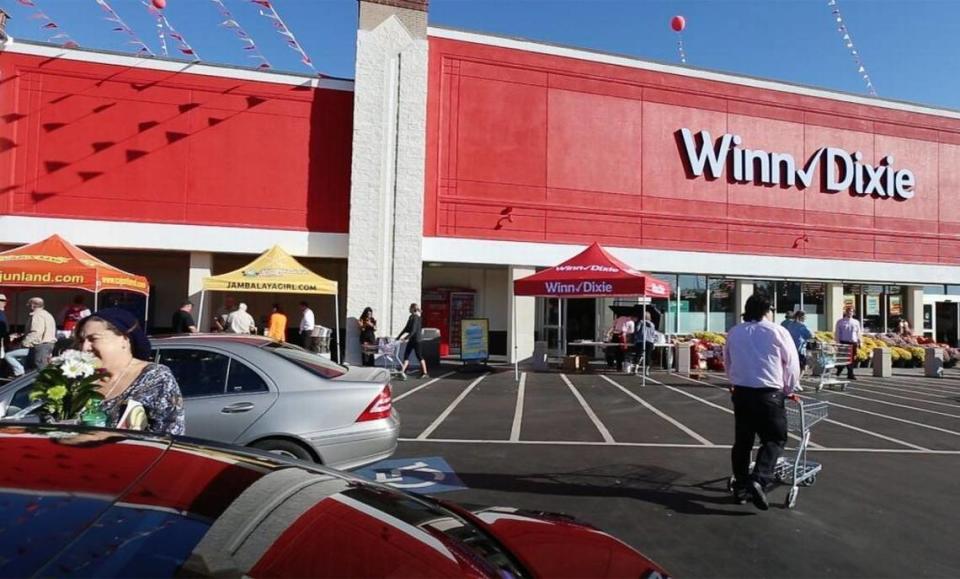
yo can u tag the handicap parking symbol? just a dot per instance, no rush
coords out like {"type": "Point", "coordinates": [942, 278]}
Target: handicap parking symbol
{"type": "Point", "coordinates": [426, 475]}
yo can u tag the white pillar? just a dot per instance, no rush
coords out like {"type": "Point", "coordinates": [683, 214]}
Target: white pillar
{"type": "Point", "coordinates": [834, 305]}
{"type": "Point", "coordinates": [914, 309]}
{"type": "Point", "coordinates": [520, 332]}
{"type": "Point", "coordinates": [201, 266]}
{"type": "Point", "coordinates": [389, 142]}
{"type": "Point", "coordinates": [743, 291]}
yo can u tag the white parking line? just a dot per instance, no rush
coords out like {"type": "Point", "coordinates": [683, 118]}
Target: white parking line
{"type": "Point", "coordinates": [894, 418]}
{"type": "Point", "coordinates": [854, 428]}
{"type": "Point", "coordinates": [669, 445]}
{"type": "Point", "coordinates": [586, 408]}
{"type": "Point", "coordinates": [940, 383]}
{"type": "Point", "coordinates": [914, 388]}
{"type": "Point", "coordinates": [872, 388]}
{"type": "Point", "coordinates": [443, 415]}
{"type": "Point", "coordinates": [896, 404]}
{"type": "Point", "coordinates": [422, 386]}
{"type": "Point", "coordinates": [651, 408]}
{"type": "Point", "coordinates": [518, 413]}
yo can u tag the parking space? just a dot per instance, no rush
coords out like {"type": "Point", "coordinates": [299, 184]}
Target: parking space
{"type": "Point", "coordinates": [649, 464]}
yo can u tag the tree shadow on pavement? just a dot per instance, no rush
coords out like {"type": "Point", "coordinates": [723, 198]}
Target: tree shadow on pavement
{"type": "Point", "coordinates": [639, 482]}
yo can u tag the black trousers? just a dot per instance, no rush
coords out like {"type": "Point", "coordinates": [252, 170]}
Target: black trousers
{"type": "Point", "coordinates": [852, 358]}
{"type": "Point", "coordinates": [758, 412]}
{"type": "Point", "coordinates": [619, 353]}
{"type": "Point", "coordinates": [644, 349]}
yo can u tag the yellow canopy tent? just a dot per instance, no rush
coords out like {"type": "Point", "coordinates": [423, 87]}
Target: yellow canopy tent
{"type": "Point", "coordinates": [275, 271]}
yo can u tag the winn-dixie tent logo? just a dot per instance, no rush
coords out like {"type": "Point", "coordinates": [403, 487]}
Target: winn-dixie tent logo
{"type": "Point", "coordinates": [579, 288]}
{"type": "Point", "coordinates": [840, 169]}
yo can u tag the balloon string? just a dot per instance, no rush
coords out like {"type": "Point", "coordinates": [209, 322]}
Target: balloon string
{"type": "Point", "coordinates": [847, 40]}
{"type": "Point", "coordinates": [680, 49]}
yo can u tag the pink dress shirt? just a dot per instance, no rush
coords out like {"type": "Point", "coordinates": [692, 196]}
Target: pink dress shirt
{"type": "Point", "coordinates": [762, 355]}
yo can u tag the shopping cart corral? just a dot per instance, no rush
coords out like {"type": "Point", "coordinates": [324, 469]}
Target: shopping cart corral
{"type": "Point", "coordinates": [826, 357]}
{"type": "Point", "coordinates": [793, 468]}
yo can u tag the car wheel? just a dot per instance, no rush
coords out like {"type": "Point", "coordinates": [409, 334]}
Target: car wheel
{"type": "Point", "coordinates": [285, 448]}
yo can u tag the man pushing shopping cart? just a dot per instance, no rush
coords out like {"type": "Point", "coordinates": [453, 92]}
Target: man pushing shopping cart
{"type": "Point", "coordinates": [764, 370]}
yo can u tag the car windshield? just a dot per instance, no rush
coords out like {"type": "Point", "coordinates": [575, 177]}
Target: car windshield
{"type": "Point", "coordinates": [313, 363]}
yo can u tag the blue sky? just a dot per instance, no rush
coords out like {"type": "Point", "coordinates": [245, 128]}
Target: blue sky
{"type": "Point", "coordinates": [907, 46]}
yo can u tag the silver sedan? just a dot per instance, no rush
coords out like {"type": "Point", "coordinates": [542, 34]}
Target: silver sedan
{"type": "Point", "coordinates": [253, 391]}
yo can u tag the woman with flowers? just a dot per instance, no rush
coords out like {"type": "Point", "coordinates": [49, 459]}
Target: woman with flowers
{"type": "Point", "coordinates": [120, 345]}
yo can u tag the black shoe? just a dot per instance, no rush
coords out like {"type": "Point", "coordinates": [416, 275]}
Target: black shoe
{"type": "Point", "coordinates": [758, 496]}
{"type": "Point", "coordinates": [740, 496]}
{"type": "Point", "coordinates": [851, 377]}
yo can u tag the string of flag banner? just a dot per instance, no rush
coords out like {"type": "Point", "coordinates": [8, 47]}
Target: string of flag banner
{"type": "Point", "coordinates": [283, 30]}
{"type": "Point", "coordinates": [847, 40]}
{"type": "Point", "coordinates": [231, 23]}
{"type": "Point", "coordinates": [164, 29]}
{"type": "Point", "coordinates": [121, 26]}
{"type": "Point", "coordinates": [47, 24]}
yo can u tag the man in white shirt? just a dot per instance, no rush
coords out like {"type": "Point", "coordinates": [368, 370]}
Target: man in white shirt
{"type": "Point", "coordinates": [847, 331]}
{"type": "Point", "coordinates": [307, 323]}
{"type": "Point", "coordinates": [240, 322]}
{"type": "Point", "coordinates": [764, 369]}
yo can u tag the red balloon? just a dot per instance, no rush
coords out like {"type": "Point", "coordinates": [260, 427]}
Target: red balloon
{"type": "Point", "coordinates": [678, 23]}
{"type": "Point", "coordinates": [159, 4]}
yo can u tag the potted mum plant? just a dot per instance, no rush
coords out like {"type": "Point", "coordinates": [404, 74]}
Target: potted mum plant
{"type": "Point", "coordinates": [67, 385]}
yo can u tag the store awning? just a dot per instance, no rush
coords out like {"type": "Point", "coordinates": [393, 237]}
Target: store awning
{"type": "Point", "coordinates": [275, 271]}
{"type": "Point", "coordinates": [590, 274]}
{"type": "Point", "coordinates": [55, 263]}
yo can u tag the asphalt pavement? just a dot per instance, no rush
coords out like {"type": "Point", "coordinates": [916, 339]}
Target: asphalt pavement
{"type": "Point", "coordinates": [649, 464]}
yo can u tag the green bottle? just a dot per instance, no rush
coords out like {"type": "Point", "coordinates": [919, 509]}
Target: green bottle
{"type": "Point", "coordinates": [93, 414]}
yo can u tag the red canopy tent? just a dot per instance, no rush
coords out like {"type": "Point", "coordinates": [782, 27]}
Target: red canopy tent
{"type": "Point", "coordinates": [592, 273]}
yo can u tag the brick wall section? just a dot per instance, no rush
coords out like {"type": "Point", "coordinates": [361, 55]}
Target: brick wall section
{"type": "Point", "coordinates": [420, 5]}
{"type": "Point", "coordinates": [386, 200]}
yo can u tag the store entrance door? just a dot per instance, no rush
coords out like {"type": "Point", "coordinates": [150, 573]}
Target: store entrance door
{"type": "Point", "coordinates": [552, 324]}
{"type": "Point", "coordinates": [946, 328]}
{"type": "Point", "coordinates": [581, 323]}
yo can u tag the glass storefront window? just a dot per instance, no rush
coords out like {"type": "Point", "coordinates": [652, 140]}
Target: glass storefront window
{"type": "Point", "coordinates": [767, 288]}
{"type": "Point", "coordinates": [692, 304]}
{"type": "Point", "coordinates": [895, 303]}
{"type": "Point", "coordinates": [723, 315]}
{"type": "Point", "coordinates": [953, 290]}
{"type": "Point", "coordinates": [934, 290]}
{"type": "Point", "coordinates": [814, 306]}
{"type": "Point", "coordinates": [788, 299]}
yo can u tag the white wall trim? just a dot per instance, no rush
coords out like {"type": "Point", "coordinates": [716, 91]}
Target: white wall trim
{"type": "Point", "coordinates": [486, 252]}
{"type": "Point", "coordinates": [606, 58]}
{"type": "Point", "coordinates": [16, 230]}
{"type": "Point", "coordinates": [157, 63]}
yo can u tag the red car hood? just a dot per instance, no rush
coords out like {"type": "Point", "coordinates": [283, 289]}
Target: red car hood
{"type": "Point", "coordinates": [554, 545]}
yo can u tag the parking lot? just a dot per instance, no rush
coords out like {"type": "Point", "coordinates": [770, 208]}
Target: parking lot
{"type": "Point", "coordinates": [649, 464]}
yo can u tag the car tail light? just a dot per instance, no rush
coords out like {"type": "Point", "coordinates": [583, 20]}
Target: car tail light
{"type": "Point", "coordinates": [380, 407]}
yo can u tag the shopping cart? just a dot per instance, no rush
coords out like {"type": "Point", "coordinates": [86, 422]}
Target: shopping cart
{"type": "Point", "coordinates": [794, 469]}
{"type": "Point", "coordinates": [386, 354]}
{"type": "Point", "coordinates": [828, 356]}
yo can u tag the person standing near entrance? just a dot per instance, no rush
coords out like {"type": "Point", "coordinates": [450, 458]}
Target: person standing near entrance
{"type": "Point", "coordinates": [182, 321]}
{"type": "Point", "coordinates": [801, 334]}
{"type": "Point", "coordinates": [645, 340]}
{"type": "Point", "coordinates": [412, 332]}
{"type": "Point", "coordinates": [277, 324]}
{"type": "Point", "coordinates": [4, 327]}
{"type": "Point", "coordinates": [368, 336]}
{"type": "Point", "coordinates": [37, 344]}
{"type": "Point", "coordinates": [848, 331]}
{"type": "Point", "coordinates": [623, 329]}
{"type": "Point", "coordinates": [307, 323]}
{"type": "Point", "coordinates": [763, 369]}
{"type": "Point", "coordinates": [240, 322]}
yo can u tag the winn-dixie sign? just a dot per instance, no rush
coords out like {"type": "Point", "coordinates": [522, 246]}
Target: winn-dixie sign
{"type": "Point", "coordinates": [840, 169]}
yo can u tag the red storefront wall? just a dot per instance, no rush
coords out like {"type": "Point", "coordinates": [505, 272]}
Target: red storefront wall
{"type": "Point", "coordinates": [577, 151]}
{"type": "Point", "coordinates": [87, 140]}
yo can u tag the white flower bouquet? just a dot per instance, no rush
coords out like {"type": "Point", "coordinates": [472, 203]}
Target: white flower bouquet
{"type": "Point", "coordinates": [67, 384]}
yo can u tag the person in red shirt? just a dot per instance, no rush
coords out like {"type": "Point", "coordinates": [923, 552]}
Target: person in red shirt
{"type": "Point", "coordinates": [72, 315]}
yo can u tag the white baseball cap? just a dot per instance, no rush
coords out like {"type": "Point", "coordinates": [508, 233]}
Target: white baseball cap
{"type": "Point", "coordinates": [3, 298]}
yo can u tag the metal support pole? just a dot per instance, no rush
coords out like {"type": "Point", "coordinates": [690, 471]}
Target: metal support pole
{"type": "Point", "coordinates": [516, 359]}
{"type": "Point", "coordinates": [200, 310]}
{"type": "Point", "coordinates": [96, 300]}
{"type": "Point", "coordinates": [336, 318]}
{"type": "Point", "coordinates": [643, 338]}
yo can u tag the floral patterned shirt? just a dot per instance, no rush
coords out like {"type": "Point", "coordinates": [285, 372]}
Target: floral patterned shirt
{"type": "Point", "coordinates": [157, 390]}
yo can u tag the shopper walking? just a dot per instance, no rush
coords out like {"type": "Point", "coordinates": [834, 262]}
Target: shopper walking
{"type": "Point", "coordinates": [848, 331]}
{"type": "Point", "coordinates": [412, 333]}
{"type": "Point", "coordinates": [307, 323]}
{"type": "Point", "coordinates": [277, 324]}
{"type": "Point", "coordinates": [368, 335]}
{"type": "Point", "coordinates": [801, 334]}
{"type": "Point", "coordinates": [763, 368]}
{"type": "Point", "coordinates": [240, 322]}
{"type": "Point", "coordinates": [182, 321]}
